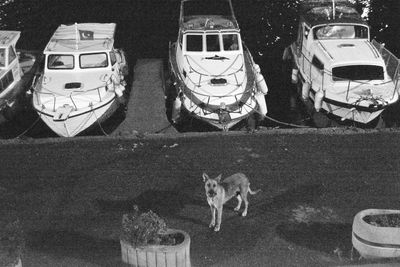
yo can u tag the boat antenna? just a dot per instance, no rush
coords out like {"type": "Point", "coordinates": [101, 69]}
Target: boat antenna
{"type": "Point", "coordinates": [334, 9]}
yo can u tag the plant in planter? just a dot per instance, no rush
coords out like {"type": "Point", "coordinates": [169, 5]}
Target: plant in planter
{"type": "Point", "coordinates": [12, 243]}
{"type": "Point", "coordinates": [376, 233]}
{"type": "Point", "coordinates": [147, 242]}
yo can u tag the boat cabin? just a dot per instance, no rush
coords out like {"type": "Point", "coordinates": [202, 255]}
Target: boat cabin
{"type": "Point", "coordinates": [9, 65]}
{"type": "Point", "coordinates": [208, 29]}
{"type": "Point", "coordinates": [334, 39]}
{"type": "Point", "coordinates": [81, 51]}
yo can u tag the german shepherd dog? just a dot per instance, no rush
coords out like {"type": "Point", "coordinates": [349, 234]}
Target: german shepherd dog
{"type": "Point", "coordinates": [218, 193]}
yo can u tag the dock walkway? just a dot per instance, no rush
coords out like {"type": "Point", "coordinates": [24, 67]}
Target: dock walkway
{"type": "Point", "coordinates": [146, 107]}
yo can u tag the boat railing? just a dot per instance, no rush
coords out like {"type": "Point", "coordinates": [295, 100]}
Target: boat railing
{"type": "Point", "coordinates": [202, 75]}
{"type": "Point", "coordinates": [240, 98]}
{"type": "Point", "coordinates": [392, 63]}
{"type": "Point", "coordinates": [44, 91]}
{"type": "Point", "coordinates": [390, 60]}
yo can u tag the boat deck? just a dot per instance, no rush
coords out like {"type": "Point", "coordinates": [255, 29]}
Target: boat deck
{"type": "Point", "coordinates": [146, 106]}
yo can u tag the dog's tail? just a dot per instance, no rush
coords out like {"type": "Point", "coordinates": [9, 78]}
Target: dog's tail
{"type": "Point", "coordinates": [253, 192]}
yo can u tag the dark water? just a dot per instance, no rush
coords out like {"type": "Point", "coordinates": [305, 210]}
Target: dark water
{"type": "Point", "coordinates": [144, 28]}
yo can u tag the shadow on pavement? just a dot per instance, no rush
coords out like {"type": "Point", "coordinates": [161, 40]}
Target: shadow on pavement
{"type": "Point", "coordinates": [164, 203]}
{"type": "Point", "coordinates": [76, 245]}
{"type": "Point", "coordinates": [325, 237]}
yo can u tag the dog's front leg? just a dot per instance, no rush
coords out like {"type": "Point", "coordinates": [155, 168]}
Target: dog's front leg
{"type": "Point", "coordinates": [219, 219]}
{"type": "Point", "coordinates": [212, 223]}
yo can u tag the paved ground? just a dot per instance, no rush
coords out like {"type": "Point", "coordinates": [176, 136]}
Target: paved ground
{"type": "Point", "coordinates": [70, 194]}
{"type": "Point", "coordinates": [146, 106]}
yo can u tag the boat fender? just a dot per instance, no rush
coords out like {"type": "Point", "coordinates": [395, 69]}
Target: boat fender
{"type": "Point", "coordinates": [257, 68]}
{"type": "Point", "coordinates": [260, 98]}
{"type": "Point", "coordinates": [319, 96]}
{"type": "Point", "coordinates": [176, 109]}
{"type": "Point", "coordinates": [295, 77]}
{"type": "Point", "coordinates": [119, 90]}
{"type": "Point", "coordinates": [261, 84]}
{"type": "Point", "coordinates": [305, 90]}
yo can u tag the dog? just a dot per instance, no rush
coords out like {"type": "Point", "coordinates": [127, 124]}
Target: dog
{"type": "Point", "coordinates": [218, 193]}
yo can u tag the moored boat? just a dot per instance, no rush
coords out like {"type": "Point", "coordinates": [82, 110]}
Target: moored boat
{"type": "Point", "coordinates": [16, 68]}
{"type": "Point", "coordinates": [214, 76]}
{"type": "Point", "coordinates": [82, 78]}
{"type": "Point", "coordinates": [337, 67]}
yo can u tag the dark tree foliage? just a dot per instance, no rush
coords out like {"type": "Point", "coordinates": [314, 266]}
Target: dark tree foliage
{"type": "Point", "coordinates": [384, 18]}
{"type": "Point", "coordinates": [267, 26]}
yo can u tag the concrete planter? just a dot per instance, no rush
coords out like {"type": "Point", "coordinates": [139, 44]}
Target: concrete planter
{"type": "Point", "coordinates": [158, 255]}
{"type": "Point", "coordinates": [373, 241]}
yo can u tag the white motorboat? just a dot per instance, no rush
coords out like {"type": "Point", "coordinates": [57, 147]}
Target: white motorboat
{"type": "Point", "coordinates": [82, 78]}
{"type": "Point", "coordinates": [16, 68]}
{"type": "Point", "coordinates": [213, 74]}
{"type": "Point", "coordinates": [337, 67]}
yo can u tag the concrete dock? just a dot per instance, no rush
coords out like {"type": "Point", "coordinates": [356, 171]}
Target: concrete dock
{"type": "Point", "coordinates": [146, 111]}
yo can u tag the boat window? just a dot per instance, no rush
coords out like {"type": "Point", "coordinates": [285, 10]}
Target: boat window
{"type": "Point", "coordinates": [213, 44]}
{"type": "Point", "coordinates": [11, 54]}
{"type": "Point", "coordinates": [317, 63]}
{"type": "Point", "coordinates": [60, 62]}
{"type": "Point", "coordinates": [341, 32]}
{"type": "Point", "coordinates": [230, 41]}
{"type": "Point", "coordinates": [6, 80]}
{"type": "Point", "coordinates": [358, 72]}
{"type": "Point", "coordinates": [113, 58]}
{"type": "Point", "coordinates": [2, 57]}
{"type": "Point", "coordinates": [97, 60]}
{"type": "Point", "coordinates": [194, 43]}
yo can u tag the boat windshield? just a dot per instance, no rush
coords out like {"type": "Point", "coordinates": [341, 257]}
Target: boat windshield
{"type": "Point", "coordinates": [358, 73]}
{"type": "Point", "coordinates": [60, 62]}
{"type": "Point", "coordinates": [214, 42]}
{"type": "Point", "coordinates": [2, 57]}
{"type": "Point", "coordinates": [340, 31]}
{"type": "Point", "coordinates": [94, 60]}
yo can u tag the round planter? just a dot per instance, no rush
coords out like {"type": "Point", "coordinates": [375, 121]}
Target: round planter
{"type": "Point", "coordinates": [158, 255]}
{"type": "Point", "coordinates": [375, 241]}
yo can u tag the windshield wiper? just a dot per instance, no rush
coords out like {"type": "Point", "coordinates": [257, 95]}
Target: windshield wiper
{"type": "Point", "coordinates": [216, 57]}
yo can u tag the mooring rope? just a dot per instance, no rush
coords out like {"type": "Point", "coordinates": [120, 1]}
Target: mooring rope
{"type": "Point", "coordinates": [277, 121]}
{"type": "Point", "coordinates": [30, 127]}
{"type": "Point", "coordinates": [98, 122]}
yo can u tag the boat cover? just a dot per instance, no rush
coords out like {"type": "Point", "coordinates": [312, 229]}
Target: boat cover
{"type": "Point", "coordinates": [8, 37]}
{"type": "Point", "coordinates": [82, 37]}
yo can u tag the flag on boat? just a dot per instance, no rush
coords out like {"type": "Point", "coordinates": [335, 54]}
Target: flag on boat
{"type": "Point", "coordinates": [86, 35]}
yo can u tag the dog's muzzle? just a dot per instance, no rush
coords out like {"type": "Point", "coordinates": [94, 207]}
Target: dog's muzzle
{"type": "Point", "coordinates": [212, 193]}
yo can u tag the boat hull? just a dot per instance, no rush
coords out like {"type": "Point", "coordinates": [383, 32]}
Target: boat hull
{"type": "Point", "coordinates": [80, 120]}
{"type": "Point", "coordinates": [348, 112]}
{"type": "Point", "coordinates": [10, 98]}
{"type": "Point", "coordinates": [359, 112]}
{"type": "Point", "coordinates": [218, 117]}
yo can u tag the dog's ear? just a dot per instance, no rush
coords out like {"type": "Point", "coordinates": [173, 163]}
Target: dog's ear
{"type": "Point", "coordinates": [218, 179]}
{"type": "Point", "coordinates": [205, 177]}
